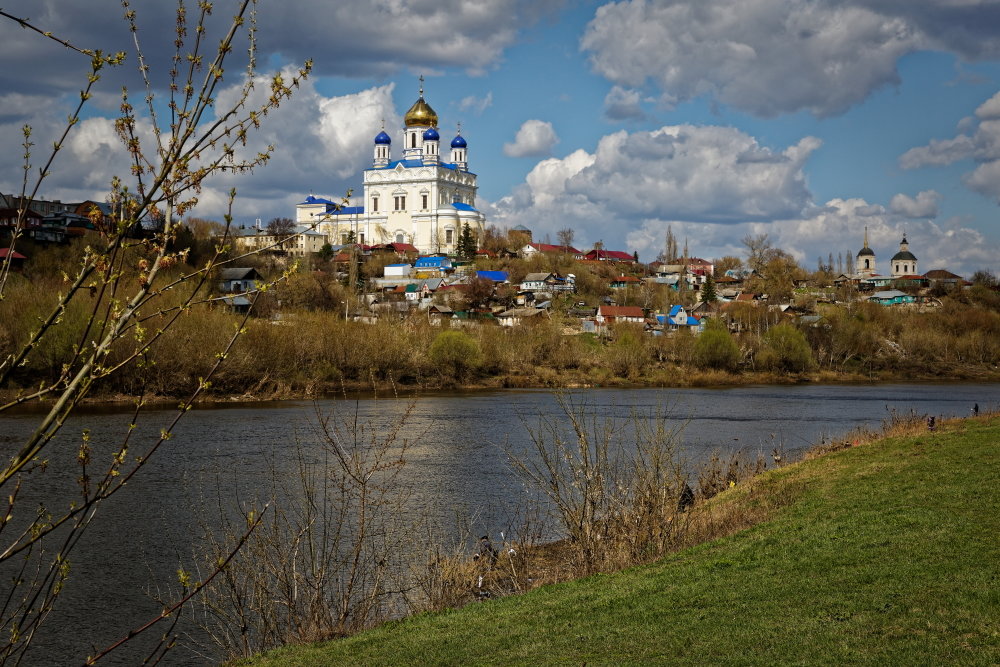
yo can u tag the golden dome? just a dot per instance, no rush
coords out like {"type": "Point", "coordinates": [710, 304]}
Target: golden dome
{"type": "Point", "coordinates": [421, 115]}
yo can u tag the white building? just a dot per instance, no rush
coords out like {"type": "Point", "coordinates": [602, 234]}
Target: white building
{"type": "Point", "coordinates": [417, 198]}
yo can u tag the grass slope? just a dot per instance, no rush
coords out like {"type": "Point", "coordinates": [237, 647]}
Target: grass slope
{"type": "Point", "coordinates": [888, 554]}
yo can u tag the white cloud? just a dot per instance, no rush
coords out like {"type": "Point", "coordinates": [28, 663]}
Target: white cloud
{"type": "Point", "coordinates": [688, 173]}
{"type": "Point", "coordinates": [321, 145]}
{"type": "Point", "coordinates": [924, 205]}
{"type": "Point", "coordinates": [623, 104]}
{"type": "Point", "coordinates": [534, 138]}
{"type": "Point", "coordinates": [837, 228]}
{"type": "Point", "coordinates": [981, 143]}
{"type": "Point", "coordinates": [476, 105]}
{"type": "Point", "coordinates": [771, 57]}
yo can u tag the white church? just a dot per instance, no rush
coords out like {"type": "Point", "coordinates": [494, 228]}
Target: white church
{"type": "Point", "coordinates": [416, 198]}
{"type": "Point", "coordinates": [903, 263]}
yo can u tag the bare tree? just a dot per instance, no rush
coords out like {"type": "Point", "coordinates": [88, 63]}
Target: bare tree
{"type": "Point", "coordinates": [565, 237]}
{"type": "Point", "coordinates": [132, 293]}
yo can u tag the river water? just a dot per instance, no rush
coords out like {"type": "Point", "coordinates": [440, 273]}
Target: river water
{"type": "Point", "coordinates": [457, 462]}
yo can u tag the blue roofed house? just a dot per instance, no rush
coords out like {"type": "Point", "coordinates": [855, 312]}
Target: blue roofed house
{"type": "Point", "coordinates": [495, 276]}
{"type": "Point", "coordinates": [415, 196]}
{"type": "Point", "coordinates": [432, 266]}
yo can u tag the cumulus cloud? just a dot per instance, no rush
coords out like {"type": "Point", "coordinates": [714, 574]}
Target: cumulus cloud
{"type": "Point", "coordinates": [696, 174]}
{"type": "Point", "coordinates": [770, 57]}
{"type": "Point", "coordinates": [838, 228]}
{"type": "Point", "coordinates": [347, 38]}
{"type": "Point", "coordinates": [476, 105]}
{"type": "Point", "coordinates": [623, 104]}
{"type": "Point", "coordinates": [981, 144]}
{"type": "Point", "coordinates": [321, 144]}
{"type": "Point", "coordinates": [924, 205]}
{"type": "Point", "coordinates": [534, 138]}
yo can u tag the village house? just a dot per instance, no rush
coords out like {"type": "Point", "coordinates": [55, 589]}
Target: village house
{"type": "Point", "coordinates": [611, 314]}
{"type": "Point", "coordinates": [534, 248]}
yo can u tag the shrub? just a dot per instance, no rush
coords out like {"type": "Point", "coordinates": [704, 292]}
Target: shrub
{"type": "Point", "coordinates": [785, 348]}
{"type": "Point", "coordinates": [715, 348]}
{"type": "Point", "coordinates": [455, 353]}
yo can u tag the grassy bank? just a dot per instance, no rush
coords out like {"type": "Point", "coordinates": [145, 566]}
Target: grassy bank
{"type": "Point", "coordinates": [884, 553]}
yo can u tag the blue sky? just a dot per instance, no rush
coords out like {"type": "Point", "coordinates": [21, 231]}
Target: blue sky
{"type": "Point", "coordinates": [808, 120]}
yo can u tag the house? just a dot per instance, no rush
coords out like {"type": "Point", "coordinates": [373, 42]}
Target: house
{"type": "Point", "coordinates": [610, 314]}
{"type": "Point", "coordinates": [436, 312]}
{"type": "Point", "coordinates": [435, 265]}
{"type": "Point", "coordinates": [537, 281]}
{"type": "Point", "coordinates": [601, 255]}
{"type": "Point", "coordinates": [398, 271]}
{"type": "Point", "coordinates": [16, 259]}
{"type": "Point", "coordinates": [239, 280]}
{"type": "Point", "coordinates": [518, 316]}
{"type": "Point", "coordinates": [892, 297]}
{"type": "Point", "coordinates": [623, 282]}
{"type": "Point", "coordinates": [942, 278]}
{"type": "Point", "coordinates": [495, 276]}
{"type": "Point", "coordinates": [534, 248]}
{"type": "Point", "coordinates": [678, 317]}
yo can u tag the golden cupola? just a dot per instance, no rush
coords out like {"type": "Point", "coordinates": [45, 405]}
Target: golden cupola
{"type": "Point", "coordinates": [421, 115]}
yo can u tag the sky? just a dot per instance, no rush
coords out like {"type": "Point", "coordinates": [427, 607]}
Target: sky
{"type": "Point", "coordinates": [807, 120]}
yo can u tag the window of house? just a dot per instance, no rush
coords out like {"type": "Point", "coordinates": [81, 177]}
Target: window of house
{"type": "Point", "coordinates": [449, 236]}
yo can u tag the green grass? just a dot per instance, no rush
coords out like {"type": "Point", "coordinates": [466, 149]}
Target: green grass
{"type": "Point", "coordinates": [886, 554]}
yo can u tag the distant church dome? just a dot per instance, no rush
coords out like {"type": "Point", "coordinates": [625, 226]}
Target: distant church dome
{"type": "Point", "coordinates": [904, 253]}
{"type": "Point", "coordinates": [458, 142]}
{"type": "Point", "coordinates": [383, 139]}
{"type": "Point", "coordinates": [866, 252]}
{"type": "Point", "coordinates": [420, 115]}
{"type": "Point", "coordinates": [431, 135]}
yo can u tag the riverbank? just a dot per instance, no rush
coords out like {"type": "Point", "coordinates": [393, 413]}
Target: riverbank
{"type": "Point", "coordinates": [881, 552]}
{"type": "Point", "coordinates": [679, 378]}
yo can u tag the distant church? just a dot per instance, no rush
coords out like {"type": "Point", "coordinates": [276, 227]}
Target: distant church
{"type": "Point", "coordinates": [903, 263]}
{"type": "Point", "coordinates": [417, 199]}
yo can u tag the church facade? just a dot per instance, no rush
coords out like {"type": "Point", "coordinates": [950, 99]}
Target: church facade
{"type": "Point", "coordinates": [415, 197]}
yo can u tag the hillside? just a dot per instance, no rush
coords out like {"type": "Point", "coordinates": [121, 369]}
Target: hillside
{"type": "Point", "coordinates": [883, 553]}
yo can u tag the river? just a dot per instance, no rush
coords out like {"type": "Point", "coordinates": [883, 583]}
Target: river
{"type": "Point", "coordinates": [457, 463]}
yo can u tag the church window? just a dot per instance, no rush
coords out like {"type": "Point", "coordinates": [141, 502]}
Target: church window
{"type": "Point", "coordinates": [413, 140]}
{"type": "Point", "coordinates": [343, 238]}
{"type": "Point", "coordinates": [449, 236]}
{"type": "Point", "coordinates": [400, 202]}
{"type": "Point", "coordinates": [400, 238]}
{"type": "Point", "coordinates": [424, 201]}
{"type": "Point", "coordinates": [361, 238]}
{"type": "Point", "coordinates": [374, 204]}
{"type": "Point", "coordinates": [866, 264]}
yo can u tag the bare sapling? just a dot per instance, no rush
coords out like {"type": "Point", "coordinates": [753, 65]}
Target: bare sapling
{"type": "Point", "coordinates": [134, 288]}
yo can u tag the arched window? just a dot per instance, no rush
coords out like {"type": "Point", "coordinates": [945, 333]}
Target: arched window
{"type": "Point", "coordinates": [867, 266]}
{"type": "Point", "coordinates": [413, 140]}
{"type": "Point", "coordinates": [400, 238]}
{"type": "Point", "coordinates": [375, 204]}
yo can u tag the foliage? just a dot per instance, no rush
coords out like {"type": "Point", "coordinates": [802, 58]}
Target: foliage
{"type": "Point", "coordinates": [715, 347]}
{"type": "Point", "coordinates": [466, 248]}
{"type": "Point", "coordinates": [785, 348]}
{"type": "Point", "coordinates": [455, 353]}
